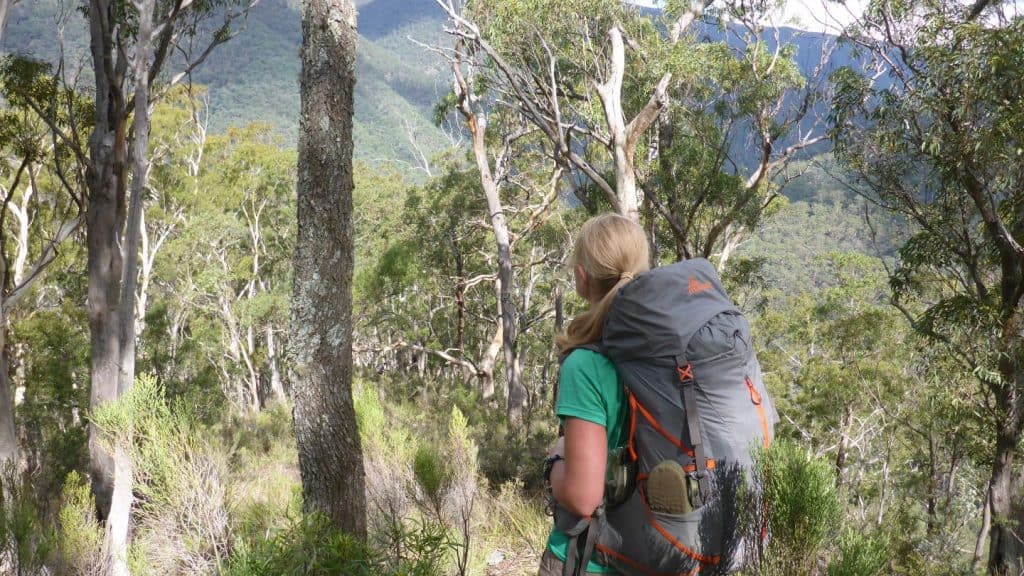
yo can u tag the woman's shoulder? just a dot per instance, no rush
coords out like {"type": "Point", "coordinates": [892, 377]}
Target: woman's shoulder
{"type": "Point", "coordinates": [587, 360]}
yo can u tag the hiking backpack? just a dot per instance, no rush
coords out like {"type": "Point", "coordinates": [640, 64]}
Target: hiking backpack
{"type": "Point", "coordinates": [693, 384]}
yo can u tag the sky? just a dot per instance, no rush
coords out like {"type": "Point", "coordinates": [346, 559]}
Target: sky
{"type": "Point", "coordinates": [809, 15]}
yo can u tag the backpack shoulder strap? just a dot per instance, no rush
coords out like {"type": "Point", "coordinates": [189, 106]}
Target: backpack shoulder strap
{"type": "Point", "coordinates": [592, 346]}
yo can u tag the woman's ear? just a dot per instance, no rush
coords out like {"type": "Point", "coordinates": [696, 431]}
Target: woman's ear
{"type": "Point", "coordinates": [581, 278]}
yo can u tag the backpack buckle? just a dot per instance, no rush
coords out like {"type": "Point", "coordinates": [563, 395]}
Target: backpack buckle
{"type": "Point", "coordinates": [685, 372]}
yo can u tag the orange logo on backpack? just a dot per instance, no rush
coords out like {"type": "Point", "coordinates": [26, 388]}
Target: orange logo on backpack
{"type": "Point", "coordinates": [698, 286]}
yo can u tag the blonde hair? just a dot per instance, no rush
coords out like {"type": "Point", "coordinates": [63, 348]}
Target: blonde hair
{"type": "Point", "coordinates": [612, 250]}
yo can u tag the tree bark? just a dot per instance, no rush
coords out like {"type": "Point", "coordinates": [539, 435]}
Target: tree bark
{"type": "Point", "coordinates": [330, 453]}
{"type": "Point", "coordinates": [5, 8]}
{"type": "Point", "coordinates": [105, 217]}
{"type": "Point", "coordinates": [140, 174]}
{"type": "Point", "coordinates": [1005, 544]}
{"type": "Point", "coordinates": [276, 385]}
{"type": "Point", "coordinates": [119, 518]}
{"type": "Point", "coordinates": [8, 435]}
{"type": "Point", "coordinates": [476, 121]}
{"type": "Point", "coordinates": [120, 513]}
{"type": "Point", "coordinates": [979, 545]}
{"type": "Point", "coordinates": [624, 137]}
{"type": "Point", "coordinates": [1006, 537]}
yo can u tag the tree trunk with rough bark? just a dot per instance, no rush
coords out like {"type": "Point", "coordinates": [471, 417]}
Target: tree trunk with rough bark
{"type": "Point", "coordinates": [330, 453]}
{"type": "Point", "coordinates": [1006, 533]}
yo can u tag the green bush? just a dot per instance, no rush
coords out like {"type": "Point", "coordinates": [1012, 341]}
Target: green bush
{"type": "Point", "coordinates": [181, 522]}
{"type": "Point", "coordinates": [803, 499]}
{"type": "Point", "coordinates": [81, 536]}
{"type": "Point", "coordinates": [312, 546]}
{"type": "Point", "coordinates": [433, 476]}
{"type": "Point", "coordinates": [860, 555]}
{"type": "Point", "coordinates": [25, 545]}
{"type": "Point", "coordinates": [798, 492]}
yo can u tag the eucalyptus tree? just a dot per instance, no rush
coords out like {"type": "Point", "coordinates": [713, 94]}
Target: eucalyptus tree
{"type": "Point", "coordinates": [739, 110]}
{"type": "Point", "coordinates": [215, 268]}
{"type": "Point", "coordinates": [563, 66]}
{"type": "Point", "coordinates": [242, 280]}
{"type": "Point", "coordinates": [594, 75]}
{"type": "Point", "coordinates": [857, 386]}
{"type": "Point", "coordinates": [496, 168]}
{"type": "Point", "coordinates": [326, 432]}
{"type": "Point", "coordinates": [931, 131]}
{"type": "Point", "coordinates": [42, 202]}
{"type": "Point", "coordinates": [147, 35]}
{"type": "Point", "coordinates": [436, 283]}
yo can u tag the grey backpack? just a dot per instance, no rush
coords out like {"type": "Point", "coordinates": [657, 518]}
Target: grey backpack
{"type": "Point", "coordinates": [683, 352]}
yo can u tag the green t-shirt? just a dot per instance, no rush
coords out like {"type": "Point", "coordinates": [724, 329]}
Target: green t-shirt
{"type": "Point", "coordinates": [589, 389]}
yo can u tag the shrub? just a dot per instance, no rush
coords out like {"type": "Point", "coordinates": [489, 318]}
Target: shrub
{"type": "Point", "coordinates": [310, 546]}
{"type": "Point", "coordinates": [804, 505]}
{"type": "Point", "coordinates": [860, 555]}
{"type": "Point", "coordinates": [388, 452]}
{"type": "Point", "coordinates": [25, 545]}
{"type": "Point", "coordinates": [799, 494]}
{"type": "Point", "coordinates": [180, 478]}
{"type": "Point", "coordinates": [433, 476]}
{"type": "Point", "coordinates": [517, 521]}
{"type": "Point", "coordinates": [80, 541]}
{"type": "Point", "coordinates": [266, 491]}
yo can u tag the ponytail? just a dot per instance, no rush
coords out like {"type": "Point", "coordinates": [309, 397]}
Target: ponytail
{"type": "Point", "coordinates": [589, 326]}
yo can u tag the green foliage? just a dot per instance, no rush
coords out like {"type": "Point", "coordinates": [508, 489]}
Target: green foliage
{"type": "Point", "coordinates": [860, 555]}
{"type": "Point", "coordinates": [225, 222]}
{"type": "Point", "coordinates": [33, 91]}
{"type": "Point", "coordinates": [26, 544]}
{"type": "Point", "coordinates": [81, 535]}
{"type": "Point", "coordinates": [311, 546]}
{"type": "Point", "coordinates": [939, 142]}
{"type": "Point", "coordinates": [379, 429]}
{"type": "Point", "coordinates": [431, 472]}
{"type": "Point", "coordinates": [56, 369]}
{"type": "Point", "coordinates": [265, 492]}
{"type": "Point", "coordinates": [804, 509]}
{"type": "Point", "coordinates": [517, 518]}
{"type": "Point", "coordinates": [180, 476]}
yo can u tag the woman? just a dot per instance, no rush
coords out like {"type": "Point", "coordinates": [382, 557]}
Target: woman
{"type": "Point", "coordinates": [609, 252]}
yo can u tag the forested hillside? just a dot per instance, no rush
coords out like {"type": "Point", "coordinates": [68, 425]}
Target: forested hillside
{"type": "Point", "coordinates": [228, 349]}
{"type": "Point", "coordinates": [254, 78]}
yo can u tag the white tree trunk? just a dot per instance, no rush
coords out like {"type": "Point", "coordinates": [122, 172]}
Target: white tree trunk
{"type": "Point", "coordinates": [276, 385]}
{"type": "Point", "coordinates": [5, 8]}
{"type": "Point", "coordinates": [623, 136]}
{"type": "Point", "coordinates": [20, 211]}
{"type": "Point", "coordinates": [487, 365]}
{"type": "Point", "coordinates": [120, 513]}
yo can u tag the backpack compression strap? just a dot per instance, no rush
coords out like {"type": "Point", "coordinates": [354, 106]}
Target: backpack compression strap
{"type": "Point", "coordinates": [579, 552]}
{"type": "Point", "coordinates": [693, 423]}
